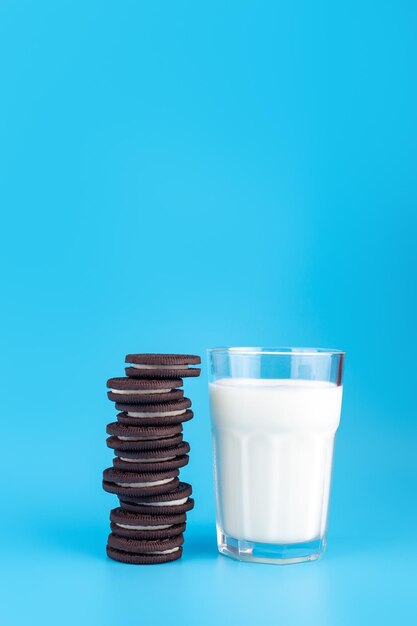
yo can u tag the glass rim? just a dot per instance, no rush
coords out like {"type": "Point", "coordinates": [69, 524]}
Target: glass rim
{"type": "Point", "coordinates": [277, 351]}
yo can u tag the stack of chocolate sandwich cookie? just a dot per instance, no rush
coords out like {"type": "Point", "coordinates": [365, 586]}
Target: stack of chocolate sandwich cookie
{"type": "Point", "coordinates": [149, 450]}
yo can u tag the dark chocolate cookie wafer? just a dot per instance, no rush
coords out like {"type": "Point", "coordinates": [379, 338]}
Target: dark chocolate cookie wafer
{"type": "Point", "coordinates": [122, 384]}
{"type": "Point", "coordinates": [154, 454]}
{"type": "Point", "coordinates": [147, 533]}
{"type": "Point", "coordinates": [144, 432]}
{"type": "Point", "coordinates": [174, 502]}
{"type": "Point", "coordinates": [144, 391]}
{"type": "Point", "coordinates": [137, 546]}
{"type": "Point", "coordinates": [167, 361]}
{"type": "Point", "coordinates": [129, 433]}
{"type": "Point", "coordinates": [142, 559]}
{"type": "Point", "coordinates": [162, 365]}
{"type": "Point", "coordinates": [139, 484]}
{"type": "Point", "coordinates": [126, 518]}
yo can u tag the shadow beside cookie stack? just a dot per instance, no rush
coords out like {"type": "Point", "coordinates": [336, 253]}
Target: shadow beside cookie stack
{"type": "Point", "coordinates": [149, 450]}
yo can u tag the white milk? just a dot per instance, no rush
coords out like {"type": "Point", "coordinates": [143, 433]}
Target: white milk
{"type": "Point", "coordinates": [273, 448]}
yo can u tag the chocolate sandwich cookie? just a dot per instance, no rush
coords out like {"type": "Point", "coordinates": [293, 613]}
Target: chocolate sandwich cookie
{"type": "Point", "coordinates": [138, 484]}
{"type": "Point", "coordinates": [169, 530]}
{"type": "Point", "coordinates": [131, 433]}
{"type": "Point", "coordinates": [165, 465]}
{"type": "Point", "coordinates": [139, 391]}
{"type": "Point", "coordinates": [145, 438]}
{"type": "Point", "coordinates": [147, 444]}
{"type": "Point", "coordinates": [176, 501]}
{"type": "Point", "coordinates": [142, 559]}
{"type": "Point", "coordinates": [143, 546]}
{"type": "Point", "coordinates": [152, 460]}
{"type": "Point", "coordinates": [144, 552]}
{"type": "Point", "coordinates": [127, 524]}
{"type": "Point", "coordinates": [162, 365]}
{"type": "Point", "coordinates": [154, 454]}
{"type": "Point", "coordinates": [158, 412]}
{"type": "Point", "coordinates": [142, 433]}
{"type": "Point", "coordinates": [126, 518]}
{"type": "Point", "coordinates": [126, 418]}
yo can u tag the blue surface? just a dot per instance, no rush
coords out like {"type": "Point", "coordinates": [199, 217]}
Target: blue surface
{"type": "Point", "coordinates": [178, 175]}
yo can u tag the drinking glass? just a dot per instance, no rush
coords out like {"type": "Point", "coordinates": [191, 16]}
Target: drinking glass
{"type": "Point", "coordinates": [274, 415]}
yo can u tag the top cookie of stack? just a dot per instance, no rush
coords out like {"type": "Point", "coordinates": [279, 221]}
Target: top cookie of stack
{"type": "Point", "coordinates": [163, 366]}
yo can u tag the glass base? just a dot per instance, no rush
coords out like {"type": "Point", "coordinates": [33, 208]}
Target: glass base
{"type": "Point", "coordinates": [279, 554]}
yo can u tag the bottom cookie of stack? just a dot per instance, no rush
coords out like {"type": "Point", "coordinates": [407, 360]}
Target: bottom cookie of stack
{"type": "Point", "coordinates": [149, 530]}
{"type": "Point", "coordinates": [144, 552]}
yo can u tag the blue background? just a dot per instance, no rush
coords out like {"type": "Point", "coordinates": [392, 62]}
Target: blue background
{"type": "Point", "coordinates": [178, 175]}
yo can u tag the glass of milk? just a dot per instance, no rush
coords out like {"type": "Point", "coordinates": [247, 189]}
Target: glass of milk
{"type": "Point", "coordinates": [274, 414]}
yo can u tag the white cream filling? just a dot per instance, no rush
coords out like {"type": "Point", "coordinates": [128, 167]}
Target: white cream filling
{"type": "Point", "coordinates": [141, 366]}
{"type": "Point", "coordinates": [141, 460]}
{"type": "Point", "coordinates": [169, 503]}
{"type": "Point", "coordinates": [151, 414]}
{"type": "Point", "coordinates": [160, 527]}
{"type": "Point", "coordinates": [139, 392]}
{"type": "Point", "coordinates": [149, 484]}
